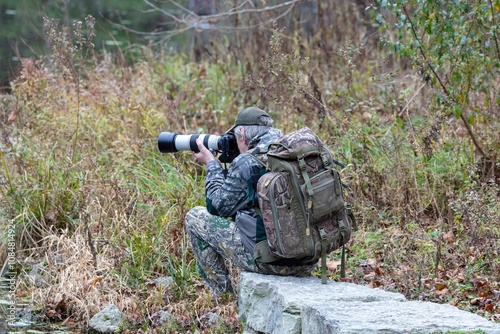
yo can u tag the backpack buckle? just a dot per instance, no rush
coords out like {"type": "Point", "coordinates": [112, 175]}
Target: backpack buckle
{"type": "Point", "coordinates": [322, 233]}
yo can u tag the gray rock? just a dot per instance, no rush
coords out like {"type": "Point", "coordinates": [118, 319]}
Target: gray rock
{"type": "Point", "coordinates": [164, 316]}
{"type": "Point", "coordinates": [210, 319]}
{"type": "Point", "coordinates": [161, 317]}
{"type": "Point", "coordinates": [163, 281]}
{"type": "Point", "coordinates": [106, 321]}
{"type": "Point", "coordinates": [273, 304]}
{"type": "Point", "coordinates": [28, 315]}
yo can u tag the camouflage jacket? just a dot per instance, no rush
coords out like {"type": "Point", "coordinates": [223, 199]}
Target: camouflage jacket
{"type": "Point", "coordinates": [236, 195]}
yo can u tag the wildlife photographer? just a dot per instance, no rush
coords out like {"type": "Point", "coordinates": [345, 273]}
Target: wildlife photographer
{"type": "Point", "coordinates": [228, 228]}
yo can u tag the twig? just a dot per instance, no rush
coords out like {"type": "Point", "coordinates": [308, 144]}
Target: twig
{"type": "Point", "coordinates": [92, 247]}
{"type": "Point", "coordinates": [406, 106]}
{"type": "Point", "coordinates": [321, 106]}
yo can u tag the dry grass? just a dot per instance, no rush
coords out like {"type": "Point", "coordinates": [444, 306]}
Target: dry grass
{"type": "Point", "coordinates": [79, 288]}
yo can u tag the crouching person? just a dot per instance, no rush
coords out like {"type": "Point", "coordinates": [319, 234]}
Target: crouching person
{"type": "Point", "coordinates": [227, 230]}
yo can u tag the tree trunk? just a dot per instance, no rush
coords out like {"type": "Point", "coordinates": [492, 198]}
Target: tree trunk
{"type": "Point", "coordinates": [203, 34]}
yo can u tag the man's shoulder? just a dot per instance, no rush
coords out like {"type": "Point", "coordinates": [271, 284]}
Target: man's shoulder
{"type": "Point", "coordinates": [272, 135]}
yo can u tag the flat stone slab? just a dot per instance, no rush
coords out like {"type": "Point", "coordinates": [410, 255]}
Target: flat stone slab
{"type": "Point", "coordinates": [274, 304]}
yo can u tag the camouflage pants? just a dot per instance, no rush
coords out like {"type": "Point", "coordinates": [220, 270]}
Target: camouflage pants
{"type": "Point", "coordinates": [215, 240]}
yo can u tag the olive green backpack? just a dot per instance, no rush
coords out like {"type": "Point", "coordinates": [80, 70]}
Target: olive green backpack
{"type": "Point", "coordinates": [301, 201]}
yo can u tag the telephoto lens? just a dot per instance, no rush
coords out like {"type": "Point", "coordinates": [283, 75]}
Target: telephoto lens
{"type": "Point", "coordinates": [170, 142]}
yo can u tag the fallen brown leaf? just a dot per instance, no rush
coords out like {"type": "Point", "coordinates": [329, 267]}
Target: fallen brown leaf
{"type": "Point", "coordinates": [333, 265]}
{"type": "Point", "coordinates": [442, 292]}
{"type": "Point", "coordinates": [449, 237]}
{"type": "Point", "coordinates": [475, 301]}
{"type": "Point", "coordinates": [440, 285]}
{"type": "Point", "coordinates": [94, 281]}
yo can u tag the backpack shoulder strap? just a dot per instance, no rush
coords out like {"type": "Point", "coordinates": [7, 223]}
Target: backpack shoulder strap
{"type": "Point", "coordinates": [254, 156]}
{"type": "Point", "coordinates": [263, 169]}
{"type": "Point", "coordinates": [258, 152]}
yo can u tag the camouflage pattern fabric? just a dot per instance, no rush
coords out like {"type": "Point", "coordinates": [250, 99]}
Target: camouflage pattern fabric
{"type": "Point", "coordinates": [215, 240]}
{"type": "Point", "coordinates": [226, 196]}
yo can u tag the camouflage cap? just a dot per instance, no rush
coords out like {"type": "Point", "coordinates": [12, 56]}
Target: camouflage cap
{"type": "Point", "coordinates": [248, 116]}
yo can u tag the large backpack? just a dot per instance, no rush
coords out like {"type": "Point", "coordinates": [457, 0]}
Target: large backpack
{"type": "Point", "coordinates": [301, 202]}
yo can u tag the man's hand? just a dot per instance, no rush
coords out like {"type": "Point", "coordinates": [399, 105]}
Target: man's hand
{"type": "Point", "coordinates": [204, 155]}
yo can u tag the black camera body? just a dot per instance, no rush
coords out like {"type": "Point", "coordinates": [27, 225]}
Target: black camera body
{"type": "Point", "coordinates": [171, 142]}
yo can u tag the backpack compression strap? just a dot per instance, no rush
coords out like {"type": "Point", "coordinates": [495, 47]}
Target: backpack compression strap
{"type": "Point", "coordinates": [322, 234]}
{"type": "Point", "coordinates": [342, 229]}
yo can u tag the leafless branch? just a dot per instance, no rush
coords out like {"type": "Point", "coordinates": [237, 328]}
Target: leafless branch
{"type": "Point", "coordinates": [188, 20]}
{"type": "Point", "coordinates": [155, 8]}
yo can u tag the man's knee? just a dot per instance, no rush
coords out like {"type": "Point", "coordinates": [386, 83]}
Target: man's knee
{"type": "Point", "coordinates": [195, 222]}
{"type": "Point", "coordinates": [194, 216]}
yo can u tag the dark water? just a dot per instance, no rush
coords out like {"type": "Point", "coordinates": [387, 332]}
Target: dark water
{"type": "Point", "coordinates": [16, 315]}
